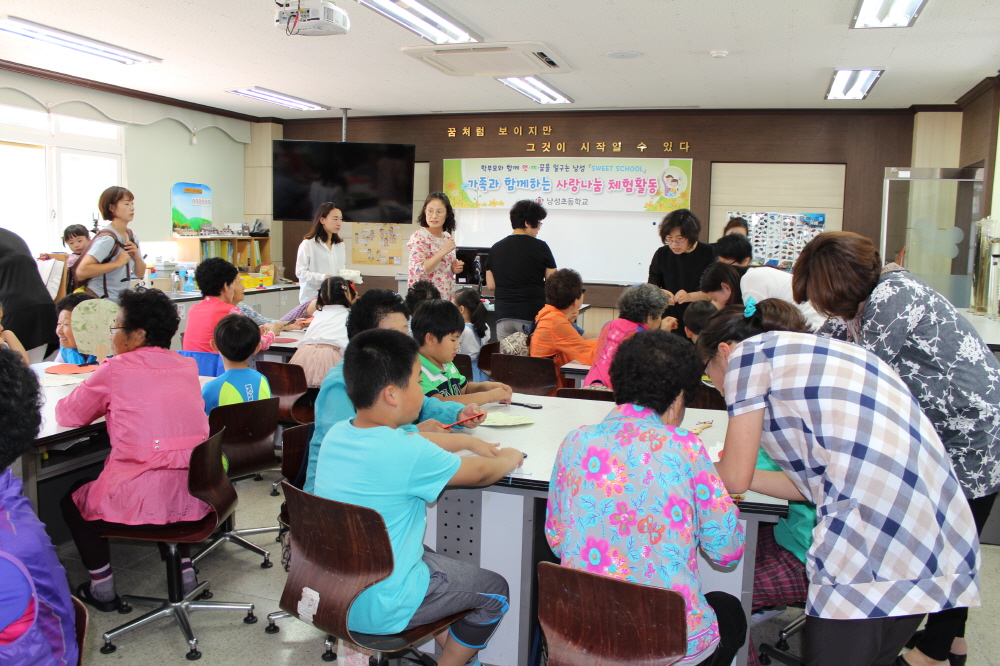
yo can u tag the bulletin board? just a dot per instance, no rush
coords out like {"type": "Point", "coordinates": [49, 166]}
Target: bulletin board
{"type": "Point", "coordinates": [377, 244]}
{"type": "Point", "coordinates": [778, 238]}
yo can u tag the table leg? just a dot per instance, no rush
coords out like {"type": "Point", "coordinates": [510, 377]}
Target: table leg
{"type": "Point", "coordinates": [29, 477]}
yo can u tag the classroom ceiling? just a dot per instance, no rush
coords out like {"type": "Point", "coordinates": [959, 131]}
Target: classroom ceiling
{"type": "Point", "coordinates": [781, 53]}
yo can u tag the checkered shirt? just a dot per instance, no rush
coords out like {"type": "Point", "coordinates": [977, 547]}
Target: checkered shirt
{"type": "Point", "coordinates": [894, 534]}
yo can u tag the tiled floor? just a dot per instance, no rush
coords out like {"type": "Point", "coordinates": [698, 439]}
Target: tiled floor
{"type": "Point", "coordinates": [235, 575]}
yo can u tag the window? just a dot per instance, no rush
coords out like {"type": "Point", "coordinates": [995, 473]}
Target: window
{"type": "Point", "coordinates": [23, 202]}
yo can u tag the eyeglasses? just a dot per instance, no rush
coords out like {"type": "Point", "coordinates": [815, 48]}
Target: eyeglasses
{"type": "Point", "coordinates": [675, 241]}
{"type": "Point", "coordinates": [116, 328]}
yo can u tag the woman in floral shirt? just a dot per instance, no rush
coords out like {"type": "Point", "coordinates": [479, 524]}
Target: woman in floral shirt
{"type": "Point", "coordinates": [636, 496]}
{"type": "Point", "coordinates": [941, 358]}
{"type": "Point", "coordinates": [432, 249]}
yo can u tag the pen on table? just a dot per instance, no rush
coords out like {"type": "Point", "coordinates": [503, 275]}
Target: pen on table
{"type": "Point", "coordinates": [468, 418]}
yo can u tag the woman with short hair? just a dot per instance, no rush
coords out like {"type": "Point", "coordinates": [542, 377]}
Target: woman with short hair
{"type": "Point", "coordinates": [554, 335]}
{"type": "Point", "coordinates": [640, 308]}
{"type": "Point", "coordinates": [677, 266]}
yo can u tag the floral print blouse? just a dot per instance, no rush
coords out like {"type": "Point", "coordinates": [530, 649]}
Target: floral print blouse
{"type": "Point", "coordinates": [634, 499]}
{"type": "Point", "coordinates": [422, 246]}
{"type": "Point", "coordinates": [946, 365]}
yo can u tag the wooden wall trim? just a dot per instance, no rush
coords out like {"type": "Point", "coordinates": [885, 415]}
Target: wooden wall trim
{"type": "Point", "coordinates": [987, 84]}
{"type": "Point", "coordinates": [936, 108]}
{"type": "Point", "coordinates": [980, 113]}
{"type": "Point", "coordinates": [18, 68]}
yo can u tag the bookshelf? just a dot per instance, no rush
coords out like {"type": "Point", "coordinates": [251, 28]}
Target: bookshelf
{"type": "Point", "coordinates": [239, 250]}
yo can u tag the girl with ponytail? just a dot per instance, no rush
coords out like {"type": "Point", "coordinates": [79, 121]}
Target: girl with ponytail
{"type": "Point", "coordinates": [323, 345]}
{"type": "Point", "coordinates": [894, 536]}
{"type": "Point", "coordinates": [476, 332]}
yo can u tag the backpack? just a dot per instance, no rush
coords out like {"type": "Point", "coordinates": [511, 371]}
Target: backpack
{"type": "Point", "coordinates": [75, 283]}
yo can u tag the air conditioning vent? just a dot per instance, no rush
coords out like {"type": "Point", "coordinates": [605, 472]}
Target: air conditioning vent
{"type": "Point", "coordinates": [495, 59]}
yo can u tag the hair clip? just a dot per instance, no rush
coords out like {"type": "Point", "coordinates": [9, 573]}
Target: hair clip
{"type": "Point", "coordinates": [751, 307]}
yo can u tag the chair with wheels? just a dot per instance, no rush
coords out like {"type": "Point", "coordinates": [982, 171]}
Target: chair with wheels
{"type": "Point", "coordinates": [208, 482]}
{"type": "Point", "coordinates": [486, 352]}
{"type": "Point", "coordinates": [525, 374]}
{"type": "Point", "coordinates": [248, 444]}
{"type": "Point", "coordinates": [82, 620]}
{"type": "Point", "coordinates": [779, 651]}
{"type": "Point", "coordinates": [464, 364]}
{"type": "Point", "coordinates": [339, 575]}
{"type": "Point", "coordinates": [288, 384]}
{"type": "Point", "coordinates": [592, 620]}
{"type": "Point", "coordinates": [586, 394]}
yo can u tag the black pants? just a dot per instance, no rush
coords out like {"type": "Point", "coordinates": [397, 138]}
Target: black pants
{"type": "Point", "coordinates": [945, 626]}
{"type": "Point", "coordinates": [872, 642]}
{"type": "Point", "coordinates": [732, 628]}
{"type": "Point", "coordinates": [95, 551]}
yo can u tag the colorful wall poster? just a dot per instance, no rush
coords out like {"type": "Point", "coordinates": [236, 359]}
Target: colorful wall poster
{"type": "Point", "coordinates": [567, 183]}
{"type": "Point", "coordinates": [778, 238]}
{"type": "Point", "coordinates": [192, 206]}
{"type": "Point", "coordinates": [380, 244]}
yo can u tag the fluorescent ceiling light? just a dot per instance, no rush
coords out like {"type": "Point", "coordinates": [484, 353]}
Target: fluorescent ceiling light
{"type": "Point", "coordinates": [886, 13]}
{"type": "Point", "coordinates": [853, 83]}
{"type": "Point", "coordinates": [424, 19]}
{"type": "Point", "coordinates": [281, 99]}
{"type": "Point", "coordinates": [531, 87]}
{"type": "Point", "coordinates": [43, 33]}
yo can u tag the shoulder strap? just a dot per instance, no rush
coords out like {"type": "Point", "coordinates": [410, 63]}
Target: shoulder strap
{"type": "Point", "coordinates": [77, 282]}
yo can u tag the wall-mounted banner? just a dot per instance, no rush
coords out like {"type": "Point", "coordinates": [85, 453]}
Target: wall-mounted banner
{"type": "Point", "coordinates": [582, 183]}
{"type": "Point", "coordinates": [191, 205]}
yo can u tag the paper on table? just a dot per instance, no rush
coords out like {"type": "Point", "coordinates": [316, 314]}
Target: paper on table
{"type": "Point", "coordinates": [501, 419]}
{"type": "Point", "coordinates": [60, 380]}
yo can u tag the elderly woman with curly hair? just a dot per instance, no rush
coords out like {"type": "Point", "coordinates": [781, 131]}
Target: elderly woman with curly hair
{"type": "Point", "coordinates": [555, 336]}
{"type": "Point", "coordinates": [640, 308]}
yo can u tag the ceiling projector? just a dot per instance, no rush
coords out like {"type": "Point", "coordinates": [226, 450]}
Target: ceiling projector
{"type": "Point", "coordinates": [311, 18]}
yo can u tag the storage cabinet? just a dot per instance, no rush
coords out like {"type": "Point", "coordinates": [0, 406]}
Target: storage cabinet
{"type": "Point", "coordinates": [239, 250]}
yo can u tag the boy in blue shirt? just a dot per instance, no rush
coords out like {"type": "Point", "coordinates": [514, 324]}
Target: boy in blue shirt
{"type": "Point", "coordinates": [394, 470]}
{"type": "Point", "coordinates": [381, 308]}
{"type": "Point", "coordinates": [236, 338]}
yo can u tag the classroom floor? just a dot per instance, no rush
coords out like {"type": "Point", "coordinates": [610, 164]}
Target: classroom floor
{"type": "Point", "coordinates": [235, 575]}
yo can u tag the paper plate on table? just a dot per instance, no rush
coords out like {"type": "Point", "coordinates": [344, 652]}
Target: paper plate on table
{"type": "Point", "coordinates": [285, 340]}
{"type": "Point", "coordinates": [70, 369]}
{"type": "Point", "coordinates": [499, 419]}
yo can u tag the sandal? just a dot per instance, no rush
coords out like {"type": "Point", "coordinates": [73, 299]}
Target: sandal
{"type": "Point", "coordinates": [83, 594]}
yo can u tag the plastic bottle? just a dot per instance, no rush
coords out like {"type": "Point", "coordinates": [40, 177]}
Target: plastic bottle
{"type": "Point", "coordinates": [189, 282]}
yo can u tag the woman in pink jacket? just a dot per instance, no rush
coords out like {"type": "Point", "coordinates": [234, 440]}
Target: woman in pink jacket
{"type": "Point", "coordinates": [151, 399]}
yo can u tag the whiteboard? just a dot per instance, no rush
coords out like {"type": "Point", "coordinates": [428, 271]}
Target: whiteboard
{"type": "Point", "coordinates": [602, 246]}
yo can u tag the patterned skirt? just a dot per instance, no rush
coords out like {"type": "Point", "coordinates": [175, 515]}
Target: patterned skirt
{"type": "Point", "coordinates": [316, 360]}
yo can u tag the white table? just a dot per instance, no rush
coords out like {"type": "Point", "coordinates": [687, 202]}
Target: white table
{"type": "Point", "coordinates": [987, 328]}
{"type": "Point", "coordinates": [282, 351]}
{"type": "Point", "coordinates": [576, 372]}
{"type": "Point", "coordinates": [500, 528]}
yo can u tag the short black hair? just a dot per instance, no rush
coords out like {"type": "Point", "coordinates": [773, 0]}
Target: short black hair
{"type": "Point", "coordinates": [439, 318]}
{"type": "Point", "coordinates": [213, 274]}
{"type": "Point", "coordinates": [685, 221]}
{"type": "Point", "coordinates": [563, 287]}
{"type": "Point", "coordinates": [526, 213]}
{"type": "Point", "coordinates": [734, 246]}
{"type": "Point", "coordinates": [697, 315]}
{"type": "Point", "coordinates": [375, 359]}
{"type": "Point", "coordinates": [371, 308]}
{"type": "Point", "coordinates": [420, 291]}
{"type": "Point", "coordinates": [652, 368]}
{"type": "Point", "coordinates": [153, 312]}
{"type": "Point", "coordinates": [75, 231]}
{"type": "Point", "coordinates": [237, 337]}
{"type": "Point", "coordinates": [70, 301]}
{"type": "Point", "coordinates": [20, 407]}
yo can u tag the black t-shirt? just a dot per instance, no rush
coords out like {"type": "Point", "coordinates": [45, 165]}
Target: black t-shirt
{"type": "Point", "coordinates": [675, 272]}
{"type": "Point", "coordinates": [28, 310]}
{"type": "Point", "coordinates": [518, 263]}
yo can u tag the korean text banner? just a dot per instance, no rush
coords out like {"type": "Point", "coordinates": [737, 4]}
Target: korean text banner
{"type": "Point", "coordinates": [587, 183]}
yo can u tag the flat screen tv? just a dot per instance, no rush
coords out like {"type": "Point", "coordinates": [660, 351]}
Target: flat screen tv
{"type": "Point", "coordinates": [370, 182]}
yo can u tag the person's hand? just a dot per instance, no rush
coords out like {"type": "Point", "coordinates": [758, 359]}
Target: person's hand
{"type": "Point", "coordinates": [499, 393]}
{"type": "Point", "coordinates": [132, 249]}
{"type": "Point", "coordinates": [512, 455]}
{"type": "Point", "coordinates": [482, 448]}
{"type": "Point", "coordinates": [44, 257]}
{"type": "Point", "coordinates": [275, 327]}
{"type": "Point", "coordinates": [121, 260]}
{"type": "Point", "coordinates": [669, 323]}
{"type": "Point", "coordinates": [682, 297]}
{"type": "Point", "coordinates": [471, 409]}
{"type": "Point", "coordinates": [670, 296]}
{"type": "Point", "coordinates": [432, 426]}
{"type": "Point", "coordinates": [457, 266]}
{"type": "Point", "coordinates": [448, 246]}
{"type": "Point", "coordinates": [296, 325]}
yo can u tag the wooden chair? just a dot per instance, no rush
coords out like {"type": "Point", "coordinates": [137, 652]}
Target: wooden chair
{"type": "Point", "coordinates": [593, 620]}
{"type": "Point", "coordinates": [525, 374]}
{"type": "Point", "coordinates": [288, 384]}
{"type": "Point", "coordinates": [586, 394]}
{"type": "Point", "coordinates": [464, 364]}
{"type": "Point", "coordinates": [486, 353]}
{"type": "Point", "coordinates": [340, 574]}
{"type": "Point", "coordinates": [707, 398]}
{"type": "Point", "coordinates": [248, 443]}
{"type": "Point", "coordinates": [82, 620]}
{"type": "Point", "coordinates": [208, 482]}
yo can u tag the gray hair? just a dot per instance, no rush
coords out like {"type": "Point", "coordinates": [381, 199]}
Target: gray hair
{"type": "Point", "coordinates": [637, 304]}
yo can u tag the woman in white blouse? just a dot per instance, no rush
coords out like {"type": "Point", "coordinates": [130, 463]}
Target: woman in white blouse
{"type": "Point", "coordinates": [321, 253]}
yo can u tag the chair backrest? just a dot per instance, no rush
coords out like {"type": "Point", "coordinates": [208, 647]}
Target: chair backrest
{"type": "Point", "coordinates": [288, 384]}
{"type": "Point", "coordinates": [486, 356]}
{"type": "Point", "coordinates": [337, 570]}
{"type": "Point", "coordinates": [525, 374]}
{"type": "Point", "coordinates": [207, 479]}
{"type": "Point", "coordinates": [209, 365]}
{"type": "Point", "coordinates": [294, 445]}
{"type": "Point", "coordinates": [248, 442]}
{"type": "Point", "coordinates": [82, 620]}
{"type": "Point", "coordinates": [586, 394]}
{"type": "Point", "coordinates": [464, 364]}
{"type": "Point", "coordinates": [592, 620]}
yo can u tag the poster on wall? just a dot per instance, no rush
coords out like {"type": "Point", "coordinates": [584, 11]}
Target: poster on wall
{"type": "Point", "coordinates": [377, 244]}
{"type": "Point", "coordinates": [191, 205]}
{"type": "Point", "coordinates": [570, 183]}
{"type": "Point", "coordinates": [778, 238]}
